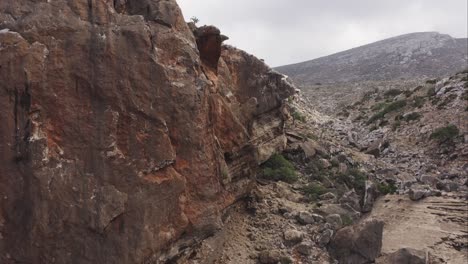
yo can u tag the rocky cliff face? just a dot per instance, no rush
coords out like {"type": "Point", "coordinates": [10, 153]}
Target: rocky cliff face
{"type": "Point", "coordinates": [122, 140]}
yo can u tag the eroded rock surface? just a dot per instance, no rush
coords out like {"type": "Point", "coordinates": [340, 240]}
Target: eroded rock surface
{"type": "Point", "coordinates": [119, 143]}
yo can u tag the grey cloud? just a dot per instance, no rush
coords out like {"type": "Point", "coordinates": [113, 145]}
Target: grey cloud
{"type": "Point", "coordinates": [283, 32]}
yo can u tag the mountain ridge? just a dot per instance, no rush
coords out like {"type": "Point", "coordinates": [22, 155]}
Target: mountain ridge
{"type": "Point", "coordinates": [407, 56]}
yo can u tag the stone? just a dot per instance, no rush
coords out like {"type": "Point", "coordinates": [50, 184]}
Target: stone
{"type": "Point", "coordinates": [335, 221]}
{"type": "Point", "coordinates": [358, 244]}
{"type": "Point", "coordinates": [343, 210]}
{"type": "Point", "coordinates": [429, 180]}
{"type": "Point", "coordinates": [305, 218]}
{"type": "Point", "coordinates": [327, 196]}
{"type": "Point", "coordinates": [352, 199]}
{"type": "Point", "coordinates": [270, 256]}
{"type": "Point", "coordinates": [308, 149]}
{"type": "Point", "coordinates": [417, 193]}
{"type": "Point", "coordinates": [325, 237]}
{"type": "Point", "coordinates": [343, 168]}
{"type": "Point", "coordinates": [318, 218]}
{"type": "Point", "coordinates": [325, 163]}
{"type": "Point", "coordinates": [292, 235]}
{"type": "Point", "coordinates": [403, 256]}
{"type": "Point", "coordinates": [305, 248]}
{"type": "Point", "coordinates": [370, 195]}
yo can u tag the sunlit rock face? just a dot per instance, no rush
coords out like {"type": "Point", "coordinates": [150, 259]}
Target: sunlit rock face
{"type": "Point", "coordinates": [120, 141]}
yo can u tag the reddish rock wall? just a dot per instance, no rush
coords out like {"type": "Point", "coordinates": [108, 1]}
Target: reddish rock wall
{"type": "Point", "coordinates": [116, 144]}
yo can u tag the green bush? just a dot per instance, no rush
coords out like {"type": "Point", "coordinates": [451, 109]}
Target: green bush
{"type": "Point", "coordinates": [392, 92]}
{"type": "Point", "coordinates": [412, 116]}
{"type": "Point", "coordinates": [313, 191]}
{"type": "Point", "coordinates": [431, 81]}
{"type": "Point", "coordinates": [395, 106]}
{"type": "Point", "coordinates": [298, 116]}
{"type": "Point", "coordinates": [379, 106]}
{"type": "Point", "coordinates": [445, 134]}
{"type": "Point", "coordinates": [346, 219]}
{"type": "Point", "coordinates": [278, 168]}
{"type": "Point", "coordinates": [385, 188]}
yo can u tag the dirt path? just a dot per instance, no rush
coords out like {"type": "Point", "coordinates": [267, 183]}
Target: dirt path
{"type": "Point", "coordinates": [436, 224]}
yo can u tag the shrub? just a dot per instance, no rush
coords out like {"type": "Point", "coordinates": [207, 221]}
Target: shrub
{"type": "Point", "coordinates": [298, 116]}
{"type": "Point", "coordinates": [392, 92]}
{"type": "Point", "coordinates": [387, 109]}
{"type": "Point", "coordinates": [313, 191]}
{"type": "Point", "coordinates": [412, 116]}
{"type": "Point", "coordinates": [431, 81]}
{"type": "Point", "coordinates": [195, 20]}
{"type": "Point", "coordinates": [379, 106]}
{"type": "Point", "coordinates": [278, 168]}
{"type": "Point", "coordinates": [346, 219]}
{"type": "Point", "coordinates": [385, 188]}
{"type": "Point", "coordinates": [445, 134]}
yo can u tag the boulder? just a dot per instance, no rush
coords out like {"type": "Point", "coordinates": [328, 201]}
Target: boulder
{"type": "Point", "coordinates": [270, 256]}
{"type": "Point", "coordinates": [293, 236]}
{"type": "Point", "coordinates": [370, 196]}
{"type": "Point", "coordinates": [352, 199]}
{"type": "Point", "coordinates": [305, 248]}
{"type": "Point", "coordinates": [418, 192]}
{"type": "Point", "coordinates": [335, 221]}
{"type": "Point", "coordinates": [344, 210]}
{"type": "Point", "coordinates": [327, 196]}
{"type": "Point", "coordinates": [305, 218]}
{"type": "Point", "coordinates": [404, 256]}
{"type": "Point", "coordinates": [358, 244]}
{"type": "Point", "coordinates": [325, 237]}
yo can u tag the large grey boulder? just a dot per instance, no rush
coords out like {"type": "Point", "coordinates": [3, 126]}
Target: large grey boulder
{"type": "Point", "coordinates": [358, 244]}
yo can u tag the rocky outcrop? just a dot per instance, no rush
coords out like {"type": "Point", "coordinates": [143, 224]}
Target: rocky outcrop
{"type": "Point", "coordinates": [121, 141]}
{"type": "Point", "coordinates": [358, 244]}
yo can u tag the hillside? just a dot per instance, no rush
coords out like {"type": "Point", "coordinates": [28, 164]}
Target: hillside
{"type": "Point", "coordinates": [410, 56]}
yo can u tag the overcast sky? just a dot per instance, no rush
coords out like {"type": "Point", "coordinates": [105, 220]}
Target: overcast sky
{"type": "Point", "coordinates": [289, 31]}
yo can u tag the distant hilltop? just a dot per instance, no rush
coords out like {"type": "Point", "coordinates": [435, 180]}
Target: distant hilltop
{"type": "Point", "coordinates": [409, 56]}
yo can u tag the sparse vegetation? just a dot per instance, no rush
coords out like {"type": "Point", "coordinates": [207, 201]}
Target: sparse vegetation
{"type": "Point", "coordinates": [313, 191]}
{"type": "Point", "coordinates": [346, 219]}
{"type": "Point", "coordinates": [395, 106]}
{"type": "Point", "coordinates": [195, 20]}
{"type": "Point", "coordinates": [379, 106]}
{"type": "Point", "coordinates": [445, 134]}
{"type": "Point", "coordinates": [387, 188]}
{"type": "Point", "coordinates": [298, 116]}
{"type": "Point", "coordinates": [354, 178]}
{"type": "Point", "coordinates": [278, 168]}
